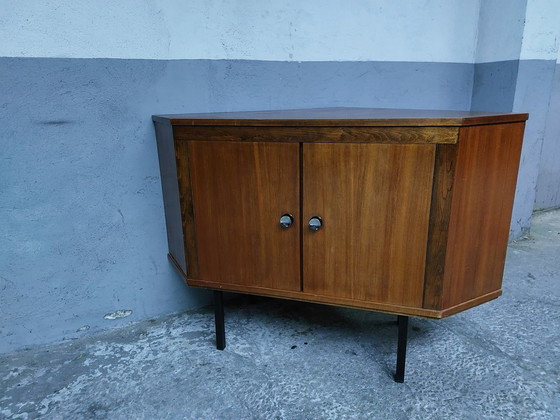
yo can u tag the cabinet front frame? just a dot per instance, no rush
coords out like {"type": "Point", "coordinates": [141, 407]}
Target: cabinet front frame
{"type": "Point", "coordinates": [444, 138]}
{"type": "Point", "coordinates": [183, 135]}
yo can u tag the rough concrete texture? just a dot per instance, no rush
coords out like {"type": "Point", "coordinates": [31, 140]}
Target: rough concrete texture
{"type": "Point", "coordinates": [290, 360]}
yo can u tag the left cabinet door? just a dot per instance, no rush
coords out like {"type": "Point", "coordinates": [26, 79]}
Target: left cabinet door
{"type": "Point", "coordinates": [240, 191]}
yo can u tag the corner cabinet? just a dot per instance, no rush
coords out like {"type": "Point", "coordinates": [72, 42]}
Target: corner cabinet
{"type": "Point", "coordinates": [400, 211]}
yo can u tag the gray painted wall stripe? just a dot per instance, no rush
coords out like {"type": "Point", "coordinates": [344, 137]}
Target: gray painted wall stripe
{"type": "Point", "coordinates": [494, 86]}
{"type": "Point", "coordinates": [81, 218]}
{"type": "Point", "coordinates": [533, 89]}
{"type": "Point", "coordinates": [548, 185]}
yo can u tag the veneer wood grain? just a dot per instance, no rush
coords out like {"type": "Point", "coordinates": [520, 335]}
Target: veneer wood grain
{"type": "Point", "coordinates": [415, 204]}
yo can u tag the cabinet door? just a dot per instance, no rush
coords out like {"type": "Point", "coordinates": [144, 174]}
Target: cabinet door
{"type": "Point", "coordinates": [240, 191]}
{"type": "Point", "coordinates": [374, 201]}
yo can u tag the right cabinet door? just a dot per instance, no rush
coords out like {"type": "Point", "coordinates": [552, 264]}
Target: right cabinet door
{"type": "Point", "coordinates": [374, 204]}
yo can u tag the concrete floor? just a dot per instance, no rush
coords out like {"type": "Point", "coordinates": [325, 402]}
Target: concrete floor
{"type": "Point", "coordinates": [290, 360]}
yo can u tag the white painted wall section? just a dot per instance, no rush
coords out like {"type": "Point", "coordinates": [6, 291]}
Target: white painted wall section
{"type": "Point", "coordinates": [500, 30]}
{"type": "Point", "coordinates": [290, 30]}
{"type": "Point", "coordinates": [542, 30]}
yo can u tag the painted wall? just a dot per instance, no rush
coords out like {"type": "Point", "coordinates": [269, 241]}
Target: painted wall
{"type": "Point", "coordinates": [548, 183]}
{"type": "Point", "coordinates": [500, 33]}
{"type": "Point", "coordinates": [534, 87]}
{"type": "Point", "coordinates": [500, 30]}
{"type": "Point", "coordinates": [514, 71]}
{"type": "Point", "coordinates": [82, 233]}
{"type": "Point", "coordinates": [292, 30]}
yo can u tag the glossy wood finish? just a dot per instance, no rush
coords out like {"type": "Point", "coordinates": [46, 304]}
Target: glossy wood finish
{"type": "Point", "coordinates": [187, 209]}
{"type": "Point", "coordinates": [415, 204]}
{"type": "Point", "coordinates": [390, 135]}
{"type": "Point", "coordinates": [485, 179]}
{"type": "Point", "coordinates": [240, 191]}
{"type": "Point", "coordinates": [442, 195]}
{"type": "Point", "coordinates": [374, 200]}
{"type": "Point", "coordinates": [309, 297]}
{"type": "Point", "coordinates": [471, 303]}
{"type": "Point", "coordinates": [348, 117]}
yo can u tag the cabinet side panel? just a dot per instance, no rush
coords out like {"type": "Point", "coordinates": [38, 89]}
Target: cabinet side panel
{"type": "Point", "coordinates": [485, 179]}
{"type": "Point", "coordinates": [240, 191]}
{"type": "Point", "coordinates": [170, 189]}
{"type": "Point", "coordinates": [442, 193]}
{"type": "Point", "coordinates": [374, 200]}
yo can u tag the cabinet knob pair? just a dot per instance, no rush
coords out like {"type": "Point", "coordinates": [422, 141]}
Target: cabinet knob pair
{"type": "Point", "coordinates": [314, 224]}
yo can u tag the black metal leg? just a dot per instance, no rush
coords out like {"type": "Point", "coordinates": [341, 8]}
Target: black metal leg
{"type": "Point", "coordinates": [219, 319]}
{"type": "Point", "coordinates": [401, 348]}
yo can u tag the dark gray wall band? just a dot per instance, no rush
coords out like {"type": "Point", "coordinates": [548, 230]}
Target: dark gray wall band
{"type": "Point", "coordinates": [494, 86]}
{"type": "Point", "coordinates": [81, 218]}
{"type": "Point", "coordinates": [532, 94]}
{"type": "Point", "coordinates": [548, 184]}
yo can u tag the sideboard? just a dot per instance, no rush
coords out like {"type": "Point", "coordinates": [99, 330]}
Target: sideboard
{"type": "Point", "coordinates": [399, 211]}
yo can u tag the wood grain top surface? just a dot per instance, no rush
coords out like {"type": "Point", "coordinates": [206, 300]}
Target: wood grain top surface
{"type": "Point", "coordinates": [317, 117]}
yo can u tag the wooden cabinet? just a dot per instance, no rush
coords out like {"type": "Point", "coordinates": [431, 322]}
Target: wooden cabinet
{"type": "Point", "coordinates": [414, 205]}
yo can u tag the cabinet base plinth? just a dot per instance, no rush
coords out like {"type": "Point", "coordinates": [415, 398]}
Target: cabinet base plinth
{"type": "Point", "coordinates": [345, 302]}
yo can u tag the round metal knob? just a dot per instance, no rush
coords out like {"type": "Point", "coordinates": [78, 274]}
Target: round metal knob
{"type": "Point", "coordinates": [315, 223]}
{"type": "Point", "coordinates": [286, 220]}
